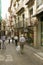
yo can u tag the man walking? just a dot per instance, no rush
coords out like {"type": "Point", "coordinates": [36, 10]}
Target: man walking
{"type": "Point", "coordinates": [3, 39]}
{"type": "Point", "coordinates": [22, 42]}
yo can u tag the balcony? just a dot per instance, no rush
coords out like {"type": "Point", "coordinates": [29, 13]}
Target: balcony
{"type": "Point", "coordinates": [29, 2]}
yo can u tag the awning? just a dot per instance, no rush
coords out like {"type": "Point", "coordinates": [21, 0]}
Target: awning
{"type": "Point", "coordinates": [39, 13]}
{"type": "Point", "coordinates": [30, 2]}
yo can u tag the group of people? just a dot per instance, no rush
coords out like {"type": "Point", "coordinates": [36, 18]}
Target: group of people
{"type": "Point", "coordinates": [21, 42]}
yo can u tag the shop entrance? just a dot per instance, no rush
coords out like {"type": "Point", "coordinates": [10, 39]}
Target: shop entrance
{"type": "Point", "coordinates": [30, 35]}
{"type": "Point", "coordinates": [41, 31]}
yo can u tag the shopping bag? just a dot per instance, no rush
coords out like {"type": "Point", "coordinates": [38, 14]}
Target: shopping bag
{"type": "Point", "coordinates": [18, 48]}
{"type": "Point", "coordinates": [11, 40]}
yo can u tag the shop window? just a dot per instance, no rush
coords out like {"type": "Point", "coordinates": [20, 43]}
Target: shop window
{"type": "Point", "coordinates": [41, 30]}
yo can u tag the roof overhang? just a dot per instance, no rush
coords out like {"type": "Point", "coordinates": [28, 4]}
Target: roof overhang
{"type": "Point", "coordinates": [39, 13]}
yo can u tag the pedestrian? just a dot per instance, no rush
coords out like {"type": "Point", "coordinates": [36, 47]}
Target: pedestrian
{"type": "Point", "coordinates": [12, 36]}
{"type": "Point", "coordinates": [3, 39]}
{"type": "Point", "coordinates": [9, 39]}
{"type": "Point", "coordinates": [16, 40]}
{"type": "Point", "coordinates": [22, 42]}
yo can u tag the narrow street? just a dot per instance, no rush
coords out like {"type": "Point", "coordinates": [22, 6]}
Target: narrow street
{"type": "Point", "coordinates": [10, 56]}
{"type": "Point", "coordinates": [21, 20]}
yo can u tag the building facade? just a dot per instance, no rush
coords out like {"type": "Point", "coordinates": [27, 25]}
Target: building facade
{"type": "Point", "coordinates": [39, 15]}
{"type": "Point", "coordinates": [27, 20]}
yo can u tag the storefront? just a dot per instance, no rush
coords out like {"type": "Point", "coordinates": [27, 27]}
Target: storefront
{"type": "Point", "coordinates": [40, 18]}
{"type": "Point", "coordinates": [29, 33]}
{"type": "Point", "coordinates": [41, 31]}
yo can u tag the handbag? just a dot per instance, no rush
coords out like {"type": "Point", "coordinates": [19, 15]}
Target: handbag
{"type": "Point", "coordinates": [18, 48]}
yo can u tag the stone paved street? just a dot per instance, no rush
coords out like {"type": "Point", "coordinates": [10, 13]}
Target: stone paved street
{"type": "Point", "coordinates": [10, 56]}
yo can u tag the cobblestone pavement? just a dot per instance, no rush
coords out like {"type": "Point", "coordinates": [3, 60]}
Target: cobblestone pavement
{"type": "Point", "coordinates": [10, 56]}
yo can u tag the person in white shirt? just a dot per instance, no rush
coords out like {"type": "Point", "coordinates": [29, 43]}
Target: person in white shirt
{"type": "Point", "coordinates": [16, 40]}
{"type": "Point", "coordinates": [3, 39]}
{"type": "Point", "coordinates": [22, 42]}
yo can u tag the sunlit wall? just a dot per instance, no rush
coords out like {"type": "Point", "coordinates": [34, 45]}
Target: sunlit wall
{"type": "Point", "coordinates": [5, 5]}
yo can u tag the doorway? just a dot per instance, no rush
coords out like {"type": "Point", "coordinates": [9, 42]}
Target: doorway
{"type": "Point", "coordinates": [41, 31]}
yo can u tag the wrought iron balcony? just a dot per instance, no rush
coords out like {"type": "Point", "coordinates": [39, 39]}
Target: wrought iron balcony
{"type": "Point", "coordinates": [29, 2]}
